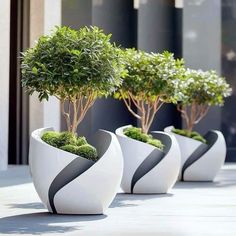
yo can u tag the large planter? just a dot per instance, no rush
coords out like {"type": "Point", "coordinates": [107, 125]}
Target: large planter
{"type": "Point", "coordinates": [199, 161]}
{"type": "Point", "coordinates": [147, 169]}
{"type": "Point", "coordinates": [70, 184]}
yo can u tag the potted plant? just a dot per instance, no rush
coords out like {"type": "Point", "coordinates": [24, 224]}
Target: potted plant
{"type": "Point", "coordinates": [202, 157]}
{"type": "Point", "coordinates": [151, 162]}
{"type": "Point", "coordinates": [70, 175]}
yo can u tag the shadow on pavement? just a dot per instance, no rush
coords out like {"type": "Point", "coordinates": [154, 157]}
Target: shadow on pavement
{"type": "Point", "coordinates": [128, 200]}
{"type": "Point", "coordinates": [226, 178]}
{"type": "Point", "coordinates": [43, 222]}
{"type": "Point", "coordinates": [32, 205]}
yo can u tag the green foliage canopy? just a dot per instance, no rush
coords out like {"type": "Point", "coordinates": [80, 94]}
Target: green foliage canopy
{"type": "Point", "coordinates": [74, 66]}
{"type": "Point", "coordinates": [203, 88]}
{"type": "Point", "coordinates": [198, 90]}
{"type": "Point", "coordinates": [70, 62]}
{"type": "Point", "coordinates": [150, 75]}
{"type": "Point", "coordinates": [150, 80]}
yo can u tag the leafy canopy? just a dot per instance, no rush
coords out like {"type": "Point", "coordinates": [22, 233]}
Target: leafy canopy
{"type": "Point", "coordinates": [202, 88]}
{"type": "Point", "coordinates": [150, 75]}
{"type": "Point", "coordinates": [68, 62]}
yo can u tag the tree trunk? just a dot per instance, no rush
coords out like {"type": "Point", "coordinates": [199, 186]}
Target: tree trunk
{"type": "Point", "coordinates": [190, 127]}
{"type": "Point", "coordinates": [144, 129]}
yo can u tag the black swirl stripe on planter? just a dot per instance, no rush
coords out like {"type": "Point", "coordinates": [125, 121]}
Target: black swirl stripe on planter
{"type": "Point", "coordinates": [152, 160]}
{"type": "Point", "coordinates": [149, 163]}
{"type": "Point", "coordinates": [165, 139]}
{"type": "Point", "coordinates": [211, 138]}
{"type": "Point", "coordinates": [102, 141]}
{"type": "Point", "coordinates": [73, 170]}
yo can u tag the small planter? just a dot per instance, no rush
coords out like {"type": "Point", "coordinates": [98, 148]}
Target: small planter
{"type": "Point", "coordinates": [147, 169]}
{"type": "Point", "coordinates": [70, 184]}
{"type": "Point", "coordinates": [200, 161]}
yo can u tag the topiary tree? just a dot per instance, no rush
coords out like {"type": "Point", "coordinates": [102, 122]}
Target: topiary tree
{"type": "Point", "coordinates": [74, 66]}
{"type": "Point", "coordinates": [150, 80]}
{"type": "Point", "coordinates": [197, 92]}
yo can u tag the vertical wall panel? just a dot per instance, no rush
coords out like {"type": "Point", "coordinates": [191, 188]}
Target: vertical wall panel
{"type": "Point", "coordinates": [202, 45]}
{"type": "Point", "coordinates": [52, 113]}
{"type": "Point", "coordinates": [4, 78]}
{"type": "Point", "coordinates": [116, 17]}
{"type": "Point", "coordinates": [76, 13]}
{"type": "Point", "coordinates": [42, 21]}
{"type": "Point", "coordinates": [228, 57]}
{"type": "Point", "coordinates": [36, 30]}
{"type": "Point", "coordinates": [156, 33]}
{"type": "Point", "coordinates": [18, 100]}
{"type": "Point", "coordinates": [156, 25]}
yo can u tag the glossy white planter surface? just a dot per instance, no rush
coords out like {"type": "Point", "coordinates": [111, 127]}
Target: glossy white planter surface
{"type": "Point", "coordinates": [147, 169]}
{"type": "Point", "coordinates": [70, 184]}
{"type": "Point", "coordinates": [199, 161]}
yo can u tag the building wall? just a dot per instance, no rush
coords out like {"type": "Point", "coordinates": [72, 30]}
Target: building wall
{"type": "Point", "coordinates": [228, 58]}
{"type": "Point", "coordinates": [202, 46]}
{"type": "Point", "coordinates": [4, 79]}
{"type": "Point", "coordinates": [42, 21]}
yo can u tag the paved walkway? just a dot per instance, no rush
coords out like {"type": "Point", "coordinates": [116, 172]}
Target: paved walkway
{"type": "Point", "coordinates": [191, 209]}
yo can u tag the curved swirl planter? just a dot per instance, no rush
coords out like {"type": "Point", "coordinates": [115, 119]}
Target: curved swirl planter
{"type": "Point", "coordinates": [70, 184]}
{"type": "Point", "coordinates": [199, 161]}
{"type": "Point", "coordinates": [147, 169]}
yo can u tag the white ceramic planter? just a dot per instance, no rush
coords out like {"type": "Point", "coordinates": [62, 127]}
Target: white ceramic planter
{"type": "Point", "coordinates": [199, 161]}
{"type": "Point", "coordinates": [147, 169]}
{"type": "Point", "coordinates": [70, 184]}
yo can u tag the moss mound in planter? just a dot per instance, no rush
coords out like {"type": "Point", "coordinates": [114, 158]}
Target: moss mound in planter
{"type": "Point", "coordinates": [70, 148]}
{"type": "Point", "coordinates": [81, 141]}
{"type": "Point", "coordinates": [52, 138]}
{"type": "Point", "coordinates": [69, 142]}
{"type": "Point", "coordinates": [87, 151]}
{"type": "Point", "coordinates": [67, 138]}
{"type": "Point", "coordinates": [136, 133]}
{"type": "Point", "coordinates": [194, 135]}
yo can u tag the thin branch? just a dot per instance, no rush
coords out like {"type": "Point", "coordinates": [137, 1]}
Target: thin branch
{"type": "Point", "coordinates": [184, 113]}
{"type": "Point", "coordinates": [128, 105]}
{"type": "Point", "coordinates": [134, 101]}
{"type": "Point", "coordinates": [203, 112]}
{"type": "Point", "coordinates": [84, 108]}
{"type": "Point", "coordinates": [65, 115]}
